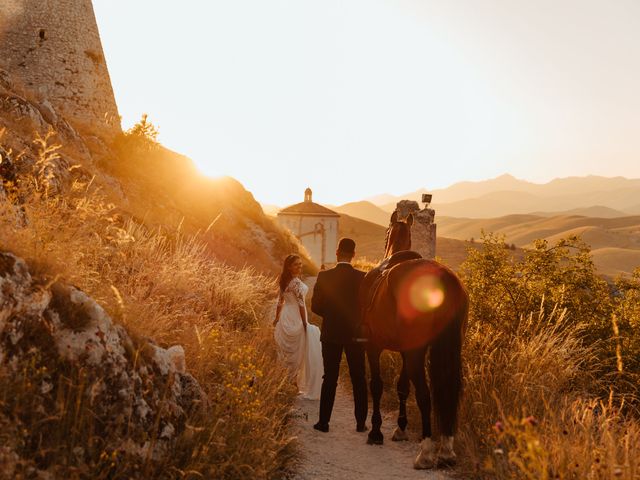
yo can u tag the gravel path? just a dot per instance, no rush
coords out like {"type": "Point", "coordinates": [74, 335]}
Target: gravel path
{"type": "Point", "coordinates": [342, 453]}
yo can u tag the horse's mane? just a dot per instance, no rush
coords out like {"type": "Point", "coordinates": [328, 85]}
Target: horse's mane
{"type": "Point", "coordinates": [386, 238]}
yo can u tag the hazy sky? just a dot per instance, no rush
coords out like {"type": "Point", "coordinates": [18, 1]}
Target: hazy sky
{"type": "Point", "coordinates": [360, 97]}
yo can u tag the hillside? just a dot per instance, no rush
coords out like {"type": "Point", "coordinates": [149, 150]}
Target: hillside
{"type": "Point", "coordinates": [135, 324]}
{"type": "Point", "coordinates": [615, 242]}
{"type": "Point", "coordinates": [147, 182]}
{"type": "Point", "coordinates": [593, 211]}
{"type": "Point", "coordinates": [365, 211]}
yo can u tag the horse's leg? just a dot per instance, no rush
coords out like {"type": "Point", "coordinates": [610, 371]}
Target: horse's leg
{"type": "Point", "coordinates": [375, 435]}
{"type": "Point", "coordinates": [402, 387]}
{"type": "Point", "coordinates": [414, 360]}
{"type": "Point", "coordinates": [445, 373]}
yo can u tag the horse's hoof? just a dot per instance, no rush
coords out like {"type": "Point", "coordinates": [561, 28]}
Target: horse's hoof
{"type": "Point", "coordinates": [426, 459]}
{"type": "Point", "coordinates": [424, 462]}
{"type": "Point", "coordinates": [399, 435]}
{"type": "Point", "coordinates": [446, 462]}
{"type": "Point", "coordinates": [446, 455]}
{"type": "Point", "coordinates": [375, 438]}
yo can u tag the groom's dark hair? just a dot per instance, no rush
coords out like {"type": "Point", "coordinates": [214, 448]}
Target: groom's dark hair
{"type": "Point", "coordinates": [346, 246]}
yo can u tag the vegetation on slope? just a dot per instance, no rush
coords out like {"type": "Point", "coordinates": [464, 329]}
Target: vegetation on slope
{"type": "Point", "coordinates": [134, 241]}
{"type": "Point", "coordinates": [551, 367]}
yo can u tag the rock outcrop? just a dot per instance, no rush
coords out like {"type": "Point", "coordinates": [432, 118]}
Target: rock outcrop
{"type": "Point", "coordinates": [423, 232]}
{"type": "Point", "coordinates": [140, 393]}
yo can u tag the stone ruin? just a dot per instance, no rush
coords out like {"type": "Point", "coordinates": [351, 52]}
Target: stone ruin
{"type": "Point", "coordinates": [52, 48]}
{"type": "Point", "coordinates": [423, 232]}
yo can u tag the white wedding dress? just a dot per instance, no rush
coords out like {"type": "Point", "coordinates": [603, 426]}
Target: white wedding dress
{"type": "Point", "coordinates": [301, 353]}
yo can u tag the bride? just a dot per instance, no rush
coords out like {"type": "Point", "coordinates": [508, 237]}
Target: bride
{"type": "Point", "coordinates": [298, 341]}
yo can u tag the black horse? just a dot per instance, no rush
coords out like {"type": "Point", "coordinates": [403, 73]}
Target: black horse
{"type": "Point", "coordinates": [413, 306]}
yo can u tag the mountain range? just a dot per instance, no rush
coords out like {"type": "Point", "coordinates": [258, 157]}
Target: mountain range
{"type": "Point", "coordinates": [506, 195]}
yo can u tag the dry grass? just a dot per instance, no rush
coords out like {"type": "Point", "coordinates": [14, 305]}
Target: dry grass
{"type": "Point", "coordinates": [162, 284]}
{"type": "Point", "coordinates": [525, 413]}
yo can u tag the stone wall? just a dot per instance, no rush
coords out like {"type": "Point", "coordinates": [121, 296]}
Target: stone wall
{"type": "Point", "coordinates": [302, 226]}
{"type": "Point", "coordinates": [423, 232]}
{"type": "Point", "coordinates": [53, 48]}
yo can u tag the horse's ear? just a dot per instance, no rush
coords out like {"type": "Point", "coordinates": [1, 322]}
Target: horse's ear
{"type": "Point", "coordinates": [394, 217]}
{"type": "Point", "coordinates": [410, 219]}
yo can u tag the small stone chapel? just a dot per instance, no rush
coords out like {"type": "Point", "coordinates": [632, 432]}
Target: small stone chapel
{"type": "Point", "coordinates": [315, 226]}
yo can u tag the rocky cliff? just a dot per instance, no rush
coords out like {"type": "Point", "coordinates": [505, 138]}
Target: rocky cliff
{"type": "Point", "coordinates": [140, 394]}
{"type": "Point", "coordinates": [121, 266]}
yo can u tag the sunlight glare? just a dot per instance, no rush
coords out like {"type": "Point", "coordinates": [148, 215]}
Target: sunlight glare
{"type": "Point", "coordinates": [426, 293]}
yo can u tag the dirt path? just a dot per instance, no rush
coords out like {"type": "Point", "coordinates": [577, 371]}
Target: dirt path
{"type": "Point", "coordinates": [343, 453]}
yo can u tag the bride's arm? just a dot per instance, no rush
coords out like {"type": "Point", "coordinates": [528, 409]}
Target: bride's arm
{"type": "Point", "coordinates": [301, 304]}
{"type": "Point", "coordinates": [303, 315]}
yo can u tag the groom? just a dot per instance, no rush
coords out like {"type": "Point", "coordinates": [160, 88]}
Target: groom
{"type": "Point", "coordinates": [335, 299]}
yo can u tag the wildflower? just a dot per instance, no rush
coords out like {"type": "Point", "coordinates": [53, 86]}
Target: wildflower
{"type": "Point", "coordinates": [498, 426]}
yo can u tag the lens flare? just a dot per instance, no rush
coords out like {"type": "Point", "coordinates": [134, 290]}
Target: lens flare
{"type": "Point", "coordinates": [426, 293]}
{"type": "Point", "coordinates": [420, 294]}
{"type": "Point", "coordinates": [424, 306]}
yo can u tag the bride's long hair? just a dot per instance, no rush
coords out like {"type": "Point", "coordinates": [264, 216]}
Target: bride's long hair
{"type": "Point", "coordinates": [285, 275]}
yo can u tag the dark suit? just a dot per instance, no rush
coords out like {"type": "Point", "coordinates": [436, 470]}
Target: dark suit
{"type": "Point", "coordinates": [335, 299]}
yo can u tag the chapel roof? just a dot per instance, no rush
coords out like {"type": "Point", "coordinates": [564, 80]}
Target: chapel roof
{"type": "Point", "coordinates": [308, 207]}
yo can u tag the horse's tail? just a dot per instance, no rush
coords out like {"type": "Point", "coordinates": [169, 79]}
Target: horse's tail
{"type": "Point", "coordinates": [445, 370]}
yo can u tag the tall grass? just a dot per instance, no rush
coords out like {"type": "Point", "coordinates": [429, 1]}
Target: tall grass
{"type": "Point", "coordinates": [527, 412]}
{"type": "Point", "coordinates": [162, 285]}
{"type": "Point", "coordinates": [549, 390]}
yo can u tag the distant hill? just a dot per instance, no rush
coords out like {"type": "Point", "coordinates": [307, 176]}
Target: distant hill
{"type": "Point", "coordinates": [615, 261]}
{"type": "Point", "coordinates": [595, 211]}
{"type": "Point", "coordinates": [369, 237]}
{"type": "Point", "coordinates": [381, 199]}
{"type": "Point", "coordinates": [507, 195]}
{"type": "Point", "coordinates": [634, 210]}
{"type": "Point", "coordinates": [615, 242]}
{"type": "Point", "coordinates": [365, 211]}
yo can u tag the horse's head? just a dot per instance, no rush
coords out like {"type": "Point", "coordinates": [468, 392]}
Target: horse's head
{"type": "Point", "coordinates": [398, 235]}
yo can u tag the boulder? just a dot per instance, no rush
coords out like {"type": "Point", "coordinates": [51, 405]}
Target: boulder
{"type": "Point", "coordinates": [48, 112]}
{"type": "Point", "coordinates": [139, 392]}
{"type": "Point", "coordinates": [20, 108]}
{"type": "Point", "coordinates": [5, 80]}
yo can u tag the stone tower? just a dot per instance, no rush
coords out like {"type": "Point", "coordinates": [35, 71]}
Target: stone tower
{"type": "Point", "coordinates": [423, 232]}
{"type": "Point", "coordinates": [53, 48]}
